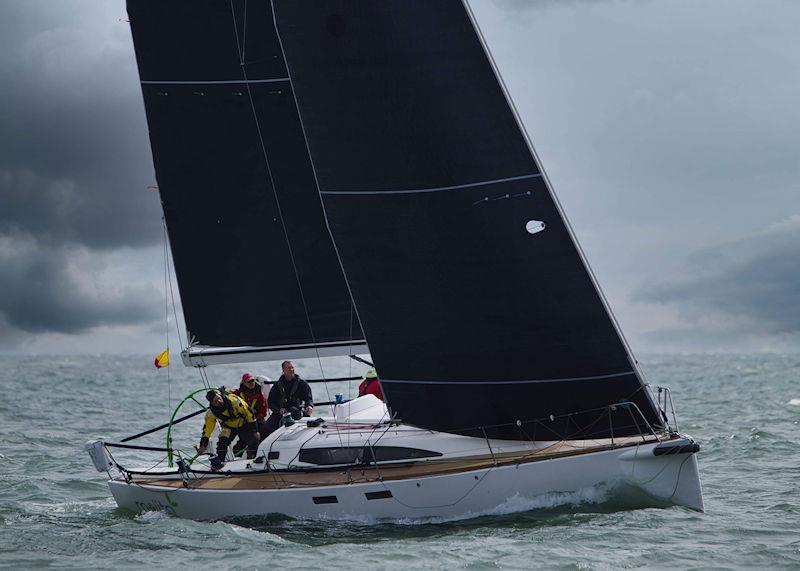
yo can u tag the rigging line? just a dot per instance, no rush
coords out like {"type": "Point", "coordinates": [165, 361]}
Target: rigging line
{"type": "Point", "coordinates": [645, 388]}
{"type": "Point", "coordinates": [350, 370]}
{"type": "Point", "coordinates": [678, 477]}
{"type": "Point", "coordinates": [386, 431]}
{"type": "Point", "coordinates": [244, 34]}
{"type": "Point", "coordinates": [373, 444]}
{"type": "Point", "coordinates": [166, 314]}
{"type": "Point", "coordinates": [171, 290]}
{"type": "Point", "coordinates": [204, 377]}
{"type": "Point", "coordinates": [275, 194]}
{"type": "Point", "coordinates": [313, 170]}
{"type": "Point", "coordinates": [300, 448]}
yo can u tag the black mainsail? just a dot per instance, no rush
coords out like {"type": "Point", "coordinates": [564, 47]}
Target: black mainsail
{"type": "Point", "coordinates": [478, 306]}
{"type": "Point", "coordinates": [256, 267]}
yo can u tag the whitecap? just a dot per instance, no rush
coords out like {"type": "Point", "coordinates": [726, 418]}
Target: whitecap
{"type": "Point", "coordinates": [152, 517]}
{"type": "Point", "coordinates": [249, 533]}
{"type": "Point", "coordinates": [518, 503]}
{"type": "Point", "coordinates": [71, 507]}
{"type": "Point", "coordinates": [794, 402]}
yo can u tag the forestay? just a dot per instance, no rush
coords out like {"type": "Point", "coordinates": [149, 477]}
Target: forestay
{"type": "Point", "coordinates": [479, 309]}
{"type": "Point", "coordinates": [256, 268]}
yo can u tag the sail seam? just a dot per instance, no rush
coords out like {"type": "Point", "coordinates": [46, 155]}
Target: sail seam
{"type": "Point", "coordinates": [520, 382]}
{"type": "Point", "coordinates": [215, 82]}
{"type": "Point", "coordinates": [433, 189]}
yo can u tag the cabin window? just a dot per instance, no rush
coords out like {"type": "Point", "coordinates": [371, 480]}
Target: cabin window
{"type": "Point", "coordinates": [362, 455]}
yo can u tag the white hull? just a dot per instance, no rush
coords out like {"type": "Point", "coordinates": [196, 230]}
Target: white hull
{"type": "Point", "coordinates": [669, 478]}
{"type": "Point", "coordinates": [432, 474]}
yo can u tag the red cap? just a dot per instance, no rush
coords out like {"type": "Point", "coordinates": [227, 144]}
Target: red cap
{"type": "Point", "coordinates": [246, 377]}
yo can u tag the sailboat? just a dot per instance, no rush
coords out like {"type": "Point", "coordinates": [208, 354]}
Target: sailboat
{"type": "Point", "coordinates": [351, 178]}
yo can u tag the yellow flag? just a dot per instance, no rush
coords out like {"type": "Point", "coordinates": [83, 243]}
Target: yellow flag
{"type": "Point", "coordinates": [162, 360]}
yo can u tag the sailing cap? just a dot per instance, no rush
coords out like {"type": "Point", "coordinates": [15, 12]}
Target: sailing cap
{"type": "Point", "coordinates": [372, 374]}
{"type": "Point", "coordinates": [247, 377]}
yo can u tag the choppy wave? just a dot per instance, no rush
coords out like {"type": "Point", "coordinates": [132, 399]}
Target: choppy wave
{"type": "Point", "coordinates": [56, 510]}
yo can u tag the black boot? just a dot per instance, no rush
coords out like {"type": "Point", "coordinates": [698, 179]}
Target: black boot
{"type": "Point", "coordinates": [218, 461]}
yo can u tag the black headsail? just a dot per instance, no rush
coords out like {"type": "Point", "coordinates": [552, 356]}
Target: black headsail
{"type": "Point", "coordinates": [256, 267]}
{"type": "Point", "coordinates": [478, 307]}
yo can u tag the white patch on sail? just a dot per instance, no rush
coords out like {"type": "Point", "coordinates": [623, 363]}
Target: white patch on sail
{"type": "Point", "coordinates": [534, 226]}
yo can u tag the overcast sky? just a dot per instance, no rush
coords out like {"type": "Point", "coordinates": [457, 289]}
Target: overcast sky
{"type": "Point", "coordinates": [670, 129]}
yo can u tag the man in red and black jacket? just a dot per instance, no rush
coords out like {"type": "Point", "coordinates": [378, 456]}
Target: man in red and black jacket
{"type": "Point", "coordinates": [250, 391]}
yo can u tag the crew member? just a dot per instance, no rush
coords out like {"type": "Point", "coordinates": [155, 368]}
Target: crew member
{"type": "Point", "coordinates": [289, 394]}
{"type": "Point", "coordinates": [234, 417]}
{"type": "Point", "coordinates": [370, 385]}
{"type": "Point", "coordinates": [250, 390]}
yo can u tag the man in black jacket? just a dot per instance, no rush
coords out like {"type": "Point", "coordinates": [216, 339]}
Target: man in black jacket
{"type": "Point", "coordinates": [290, 392]}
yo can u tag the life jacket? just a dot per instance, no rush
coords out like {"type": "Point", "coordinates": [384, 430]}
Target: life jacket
{"type": "Point", "coordinates": [254, 398]}
{"type": "Point", "coordinates": [286, 398]}
{"type": "Point", "coordinates": [234, 412]}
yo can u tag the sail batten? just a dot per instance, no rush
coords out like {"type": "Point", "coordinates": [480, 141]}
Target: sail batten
{"type": "Point", "coordinates": [384, 192]}
{"type": "Point", "coordinates": [508, 382]}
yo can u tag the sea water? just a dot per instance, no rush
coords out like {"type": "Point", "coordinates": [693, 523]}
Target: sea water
{"type": "Point", "coordinates": [57, 511]}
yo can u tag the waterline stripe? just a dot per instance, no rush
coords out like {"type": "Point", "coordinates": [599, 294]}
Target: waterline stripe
{"type": "Point", "coordinates": [422, 190]}
{"type": "Point", "coordinates": [224, 82]}
{"type": "Point", "coordinates": [532, 381]}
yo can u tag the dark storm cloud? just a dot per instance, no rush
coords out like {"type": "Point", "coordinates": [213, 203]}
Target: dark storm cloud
{"type": "Point", "coordinates": [750, 285]}
{"type": "Point", "coordinates": [74, 158]}
{"type": "Point", "coordinates": [57, 290]}
{"type": "Point", "coordinates": [74, 166]}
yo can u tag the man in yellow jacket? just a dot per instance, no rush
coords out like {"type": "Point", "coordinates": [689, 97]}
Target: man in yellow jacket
{"type": "Point", "coordinates": [234, 417]}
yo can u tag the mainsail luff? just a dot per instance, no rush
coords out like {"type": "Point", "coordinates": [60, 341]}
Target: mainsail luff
{"type": "Point", "coordinates": [468, 316]}
{"type": "Point", "coordinates": [255, 263]}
